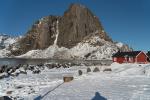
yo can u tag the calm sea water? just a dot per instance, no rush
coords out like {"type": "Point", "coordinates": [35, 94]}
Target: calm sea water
{"type": "Point", "coordinates": [16, 61]}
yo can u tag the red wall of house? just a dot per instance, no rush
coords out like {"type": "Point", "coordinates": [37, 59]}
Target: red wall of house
{"type": "Point", "coordinates": [119, 59]}
{"type": "Point", "coordinates": [141, 58]}
{"type": "Point", "coordinates": [134, 60]}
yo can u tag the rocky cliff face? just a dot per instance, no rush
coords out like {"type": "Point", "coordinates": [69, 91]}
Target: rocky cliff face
{"type": "Point", "coordinates": [40, 36]}
{"type": "Point", "coordinates": [76, 23]}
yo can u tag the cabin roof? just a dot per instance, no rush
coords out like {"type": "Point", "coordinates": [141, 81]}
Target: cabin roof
{"type": "Point", "coordinates": [148, 54]}
{"type": "Point", "coordinates": [126, 54]}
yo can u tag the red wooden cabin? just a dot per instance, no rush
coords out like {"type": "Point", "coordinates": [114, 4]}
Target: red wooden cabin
{"type": "Point", "coordinates": [130, 57]}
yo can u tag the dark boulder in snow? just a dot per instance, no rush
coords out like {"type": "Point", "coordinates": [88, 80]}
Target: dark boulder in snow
{"type": "Point", "coordinates": [3, 68]}
{"type": "Point", "coordinates": [5, 98]}
{"type": "Point", "coordinates": [50, 66]}
{"type": "Point", "coordinates": [96, 69]}
{"type": "Point", "coordinates": [80, 72]}
{"type": "Point", "coordinates": [88, 70]}
{"type": "Point", "coordinates": [68, 78]}
{"type": "Point", "coordinates": [37, 71]}
{"type": "Point", "coordinates": [107, 69]}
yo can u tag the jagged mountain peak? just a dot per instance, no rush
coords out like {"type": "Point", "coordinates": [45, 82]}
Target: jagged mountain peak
{"type": "Point", "coordinates": [79, 22]}
{"type": "Point", "coordinates": [75, 7]}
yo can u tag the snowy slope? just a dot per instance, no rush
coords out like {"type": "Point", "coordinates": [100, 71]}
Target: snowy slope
{"type": "Point", "coordinates": [91, 48]}
{"type": "Point", "coordinates": [5, 42]}
{"type": "Point", "coordinates": [94, 48]}
{"type": "Point", "coordinates": [4, 53]}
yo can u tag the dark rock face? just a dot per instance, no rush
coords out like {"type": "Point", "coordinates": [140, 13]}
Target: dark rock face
{"type": "Point", "coordinates": [40, 36]}
{"type": "Point", "coordinates": [76, 23]}
{"type": "Point", "coordinates": [80, 72]}
{"type": "Point", "coordinates": [96, 69]}
{"type": "Point", "coordinates": [88, 70]}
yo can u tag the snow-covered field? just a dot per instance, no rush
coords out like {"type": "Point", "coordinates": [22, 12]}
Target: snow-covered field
{"type": "Point", "coordinates": [124, 82]}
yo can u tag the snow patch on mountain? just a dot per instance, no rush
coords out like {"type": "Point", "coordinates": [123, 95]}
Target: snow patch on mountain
{"type": "Point", "coordinates": [4, 53]}
{"type": "Point", "coordinates": [119, 44]}
{"type": "Point", "coordinates": [93, 48]}
{"type": "Point", "coordinates": [5, 42]}
{"type": "Point", "coordinates": [47, 53]}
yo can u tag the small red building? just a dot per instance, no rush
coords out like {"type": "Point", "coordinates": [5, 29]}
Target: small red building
{"type": "Point", "coordinates": [130, 57]}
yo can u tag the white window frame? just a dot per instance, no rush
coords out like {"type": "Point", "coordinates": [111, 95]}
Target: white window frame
{"type": "Point", "coordinates": [130, 59]}
{"type": "Point", "coordinates": [115, 59]}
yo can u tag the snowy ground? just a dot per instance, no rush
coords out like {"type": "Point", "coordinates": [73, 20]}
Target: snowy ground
{"type": "Point", "coordinates": [125, 82]}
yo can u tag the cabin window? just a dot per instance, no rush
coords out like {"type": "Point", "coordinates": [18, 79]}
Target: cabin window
{"type": "Point", "coordinates": [126, 58]}
{"type": "Point", "coordinates": [130, 59]}
{"type": "Point", "coordinates": [115, 58]}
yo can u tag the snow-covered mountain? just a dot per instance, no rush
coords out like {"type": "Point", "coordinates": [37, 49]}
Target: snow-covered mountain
{"type": "Point", "coordinates": [5, 42]}
{"type": "Point", "coordinates": [77, 23]}
{"type": "Point", "coordinates": [78, 34]}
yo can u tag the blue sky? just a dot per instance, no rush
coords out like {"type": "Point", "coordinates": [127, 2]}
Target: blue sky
{"type": "Point", "coordinates": [127, 21]}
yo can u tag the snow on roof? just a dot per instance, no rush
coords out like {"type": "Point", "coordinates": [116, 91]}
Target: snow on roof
{"type": "Point", "coordinates": [127, 54]}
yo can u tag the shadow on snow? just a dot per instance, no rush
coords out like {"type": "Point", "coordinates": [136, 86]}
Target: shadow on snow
{"type": "Point", "coordinates": [98, 97]}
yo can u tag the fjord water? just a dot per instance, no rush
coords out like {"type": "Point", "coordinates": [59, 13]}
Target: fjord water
{"type": "Point", "coordinates": [16, 61]}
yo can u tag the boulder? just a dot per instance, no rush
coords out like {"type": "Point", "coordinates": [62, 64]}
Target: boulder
{"type": "Point", "coordinates": [96, 69]}
{"type": "Point", "coordinates": [107, 69]}
{"type": "Point", "coordinates": [88, 70]}
{"type": "Point", "coordinates": [68, 78]}
{"type": "Point", "coordinates": [5, 98]}
{"type": "Point", "coordinates": [80, 72]}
